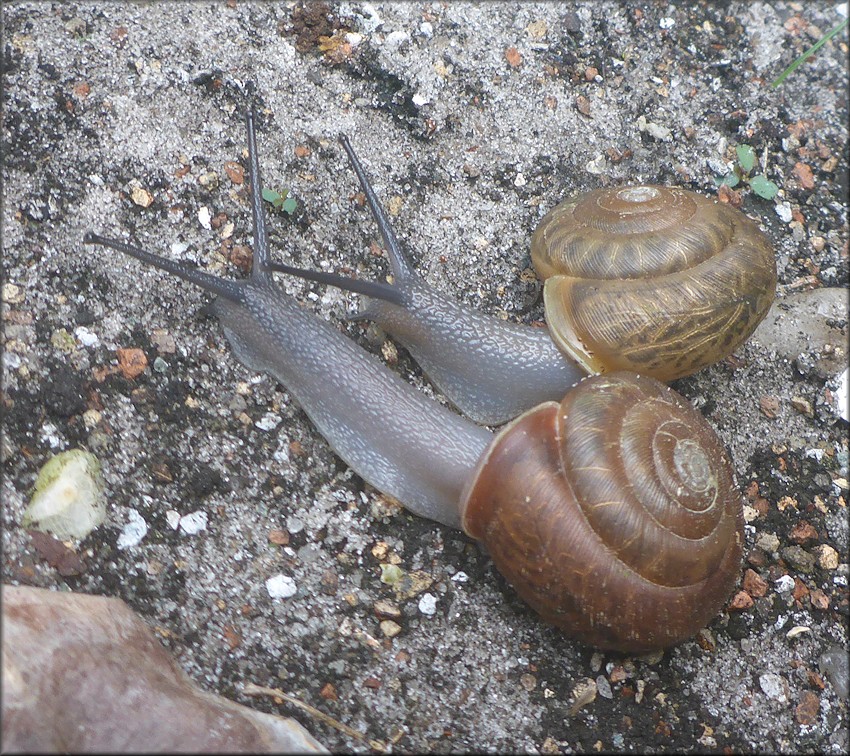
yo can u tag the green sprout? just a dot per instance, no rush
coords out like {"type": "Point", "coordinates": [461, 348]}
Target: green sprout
{"type": "Point", "coordinates": [808, 54]}
{"type": "Point", "coordinates": [741, 171]}
{"type": "Point", "coordinates": [280, 200]}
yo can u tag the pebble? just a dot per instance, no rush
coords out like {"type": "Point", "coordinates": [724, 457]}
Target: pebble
{"type": "Point", "coordinates": [768, 542]}
{"type": "Point", "coordinates": [785, 583]}
{"type": "Point", "coordinates": [596, 661]}
{"type": "Point", "coordinates": [294, 524]}
{"type": "Point", "coordinates": [67, 499]}
{"type": "Point", "coordinates": [827, 557]}
{"type": "Point", "coordinates": [12, 293]}
{"type": "Point", "coordinates": [281, 586]}
{"type": "Point", "coordinates": [390, 629]}
{"type": "Point", "coordinates": [85, 336]}
{"type": "Point", "coordinates": [773, 686]}
{"type": "Point", "coordinates": [268, 422]}
{"type": "Point", "coordinates": [783, 210]}
{"type": "Point", "coordinates": [386, 609]}
{"type": "Point", "coordinates": [396, 38]}
{"type": "Point", "coordinates": [603, 687]}
{"type": "Point", "coordinates": [205, 217]}
{"type": "Point", "coordinates": [193, 523]}
{"type": "Point", "coordinates": [799, 558]}
{"type": "Point", "coordinates": [133, 532]}
{"type": "Point", "coordinates": [428, 604]}
{"type": "Point", "coordinates": [835, 665]}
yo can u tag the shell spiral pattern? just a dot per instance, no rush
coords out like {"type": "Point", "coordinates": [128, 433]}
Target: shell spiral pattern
{"type": "Point", "coordinates": [657, 280]}
{"type": "Point", "coordinates": [628, 533]}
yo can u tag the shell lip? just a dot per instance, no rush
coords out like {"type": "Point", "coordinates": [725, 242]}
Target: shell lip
{"type": "Point", "coordinates": [563, 332]}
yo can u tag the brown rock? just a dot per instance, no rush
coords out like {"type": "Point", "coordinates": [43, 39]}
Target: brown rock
{"type": "Point", "coordinates": [803, 531]}
{"type": "Point", "coordinates": [513, 57]}
{"type": "Point", "coordinates": [754, 584]}
{"type": "Point", "coordinates": [741, 601]}
{"type": "Point", "coordinates": [804, 173]}
{"type": "Point", "coordinates": [819, 599]}
{"type": "Point", "coordinates": [808, 708]}
{"type": "Point", "coordinates": [131, 362]}
{"type": "Point", "coordinates": [85, 674]}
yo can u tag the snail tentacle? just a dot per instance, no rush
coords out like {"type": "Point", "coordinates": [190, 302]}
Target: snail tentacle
{"type": "Point", "coordinates": [490, 369]}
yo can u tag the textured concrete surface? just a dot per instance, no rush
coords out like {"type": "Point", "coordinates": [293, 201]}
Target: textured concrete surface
{"type": "Point", "coordinates": [473, 120]}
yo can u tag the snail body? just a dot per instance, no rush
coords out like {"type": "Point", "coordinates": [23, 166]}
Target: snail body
{"type": "Point", "coordinates": [631, 551]}
{"type": "Point", "coordinates": [655, 280]}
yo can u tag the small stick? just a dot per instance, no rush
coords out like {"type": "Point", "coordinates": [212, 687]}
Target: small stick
{"type": "Point", "coordinates": [250, 689]}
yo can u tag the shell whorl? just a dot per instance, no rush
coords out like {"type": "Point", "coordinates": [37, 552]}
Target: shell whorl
{"type": "Point", "coordinates": [626, 527]}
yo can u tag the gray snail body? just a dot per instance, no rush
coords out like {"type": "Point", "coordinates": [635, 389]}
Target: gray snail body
{"type": "Point", "coordinates": [644, 566]}
{"type": "Point", "coordinates": [649, 279]}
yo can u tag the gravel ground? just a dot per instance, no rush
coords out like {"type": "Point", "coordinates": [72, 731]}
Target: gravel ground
{"type": "Point", "coordinates": [473, 120]}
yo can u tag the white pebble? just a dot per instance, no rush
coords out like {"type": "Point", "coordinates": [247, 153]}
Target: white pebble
{"type": "Point", "coordinates": [193, 523]}
{"type": "Point", "coordinates": [85, 336]}
{"type": "Point", "coordinates": [67, 498]}
{"type": "Point", "coordinates": [205, 217]}
{"type": "Point", "coordinates": [596, 166]}
{"type": "Point", "coordinates": [428, 604]}
{"type": "Point", "coordinates": [841, 396]}
{"type": "Point", "coordinates": [172, 517]}
{"type": "Point", "coordinates": [268, 422]}
{"type": "Point", "coordinates": [281, 586]}
{"type": "Point", "coordinates": [396, 38]}
{"type": "Point", "coordinates": [783, 210]}
{"type": "Point", "coordinates": [772, 686]}
{"type": "Point", "coordinates": [785, 583]}
{"type": "Point", "coordinates": [294, 524]}
{"type": "Point", "coordinates": [133, 532]}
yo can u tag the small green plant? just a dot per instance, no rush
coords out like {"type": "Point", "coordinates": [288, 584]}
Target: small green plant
{"type": "Point", "coordinates": [280, 200]}
{"type": "Point", "coordinates": [741, 171]}
{"type": "Point", "coordinates": [808, 54]}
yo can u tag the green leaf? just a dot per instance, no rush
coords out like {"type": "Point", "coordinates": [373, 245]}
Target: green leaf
{"type": "Point", "coordinates": [811, 51]}
{"type": "Point", "coordinates": [762, 186]}
{"type": "Point", "coordinates": [731, 180]}
{"type": "Point", "coordinates": [269, 195]}
{"type": "Point", "coordinates": [746, 157]}
{"type": "Point", "coordinates": [289, 205]}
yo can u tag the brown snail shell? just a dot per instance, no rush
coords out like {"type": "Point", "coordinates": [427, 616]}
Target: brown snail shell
{"type": "Point", "coordinates": [657, 280]}
{"type": "Point", "coordinates": [614, 514]}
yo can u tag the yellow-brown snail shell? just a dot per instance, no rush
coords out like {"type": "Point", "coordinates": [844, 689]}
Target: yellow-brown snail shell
{"type": "Point", "coordinates": [658, 280]}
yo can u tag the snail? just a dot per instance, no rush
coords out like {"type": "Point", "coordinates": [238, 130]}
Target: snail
{"type": "Point", "coordinates": [637, 549]}
{"type": "Point", "coordinates": [656, 280]}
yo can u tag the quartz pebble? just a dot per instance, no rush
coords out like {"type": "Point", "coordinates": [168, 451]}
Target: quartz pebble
{"type": "Point", "coordinates": [281, 586]}
{"type": "Point", "coordinates": [428, 604]}
{"type": "Point", "coordinates": [773, 686]}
